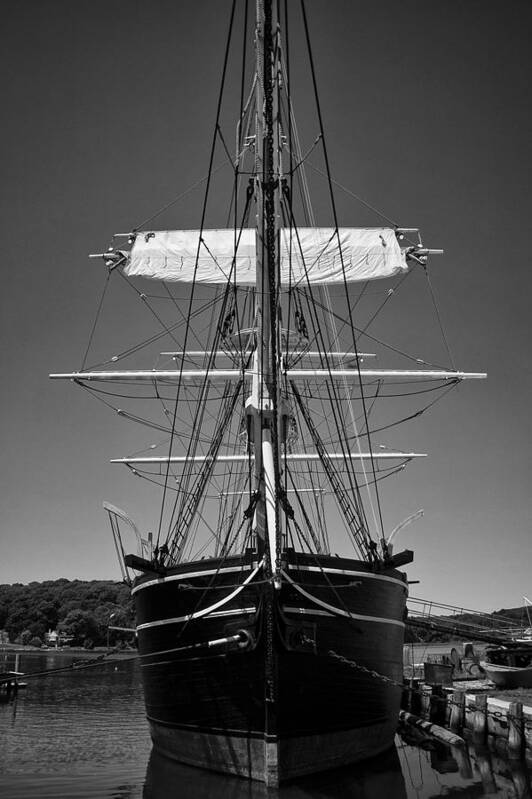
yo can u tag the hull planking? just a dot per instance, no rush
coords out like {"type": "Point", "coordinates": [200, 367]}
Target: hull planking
{"type": "Point", "coordinates": [285, 703]}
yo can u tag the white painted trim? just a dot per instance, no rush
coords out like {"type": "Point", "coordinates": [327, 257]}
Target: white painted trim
{"type": "Point", "coordinates": [177, 375]}
{"type": "Point", "coordinates": [308, 611]}
{"type": "Point", "coordinates": [200, 613]}
{"type": "Point", "coordinates": [189, 575]}
{"type": "Point", "coordinates": [234, 612]}
{"type": "Point", "coordinates": [291, 456]}
{"type": "Point", "coordinates": [348, 573]}
{"type": "Point", "coordinates": [339, 611]}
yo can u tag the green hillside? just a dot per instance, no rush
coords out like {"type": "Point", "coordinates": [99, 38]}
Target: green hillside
{"type": "Point", "coordinates": [78, 609]}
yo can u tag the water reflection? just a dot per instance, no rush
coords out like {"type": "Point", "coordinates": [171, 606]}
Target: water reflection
{"type": "Point", "coordinates": [410, 772]}
{"type": "Point", "coordinates": [378, 778]}
{"type": "Point", "coordinates": [435, 769]}
{"type": "Point", "coordinates": [83, 735]}
{"type": "Point", "coordinates": [73, 720]}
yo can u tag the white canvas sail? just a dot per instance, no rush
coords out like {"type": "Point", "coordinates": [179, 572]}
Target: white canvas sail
{"type": "Point", "coordinates": [317, 254]}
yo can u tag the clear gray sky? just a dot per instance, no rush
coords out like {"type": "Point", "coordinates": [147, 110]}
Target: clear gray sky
{"type": "Point", "coordinates": [108, 107]}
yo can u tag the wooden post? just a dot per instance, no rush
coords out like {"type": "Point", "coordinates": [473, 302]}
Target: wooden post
{"type": "Point", "coordinates": [461, 755]}
{"type": "Point", "coordinates": [480, 719]}
{"type": "Point", "coordinates": [425, 700]}
{"type": "Point", "coordinates": [520, 779]}
{"type": "Point", "coordinates": [437, 704]}
{"type": "Point", "coordinates": [486, 771]}
{"type": "Point", "coordinates": [456, 718]}
{"type": "Point", "coordinates": [435, 730]}
{"type": "Point", "coordinates": [405, 695]}
{"type": "Point", "coordinates": [515, 729]}
{"type": "Point", "coordinates": [415, 696]}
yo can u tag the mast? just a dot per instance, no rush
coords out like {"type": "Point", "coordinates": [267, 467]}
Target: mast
{"type": "Point", "coordinates": [263, 404]}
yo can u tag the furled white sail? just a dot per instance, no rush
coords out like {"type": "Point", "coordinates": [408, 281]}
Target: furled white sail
{"type": "Point", "coordinates": [318, 255]}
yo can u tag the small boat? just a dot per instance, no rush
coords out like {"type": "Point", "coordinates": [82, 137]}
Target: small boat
{"type": "Point", "coordinates": [526, 635]}
{"type": "Point", "coordinates": [9, 680]}
{"type": "Point", "coordinates": [10, 685]}
{"type": "Point", "coordinates": [509, 666]}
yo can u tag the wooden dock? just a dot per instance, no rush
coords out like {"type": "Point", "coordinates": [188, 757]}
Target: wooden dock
{"type": "Point", "coordinates": [470, 706]}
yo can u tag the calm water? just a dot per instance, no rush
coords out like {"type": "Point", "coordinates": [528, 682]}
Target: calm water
{"type": "Point", "coordinates": [83, 735]}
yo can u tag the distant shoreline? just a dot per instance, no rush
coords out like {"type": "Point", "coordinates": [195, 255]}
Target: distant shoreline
{"type": "Point", "coordinates": [74, 650]}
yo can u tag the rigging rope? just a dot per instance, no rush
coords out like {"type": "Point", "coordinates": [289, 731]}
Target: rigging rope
{"type": "Point", "coordinates": [183, 194]}
{"type": "Point", "coordinates": [335, 216]}
{"type": "Point", "coordinates": [384, 343]}
{"type": "Point", "coordinates": [331, 386]}
{"type": "Point", "coordinates": [355, 196]}
{"type": "Point", "coordinates": [98, 312]}
{"type": "Point", "coordinates": [204, 211]}
{"type": "Point", "coordinates": [440, 322]}
{"type": "Point", "coordinates": [307, 204]}
{"type": "Point", "coordinates": [202, 405]}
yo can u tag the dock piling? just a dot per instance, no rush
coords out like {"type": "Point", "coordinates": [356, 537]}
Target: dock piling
{"type": "Point", "coordinates": [424, 700]}
{"type": "Point", "coordinates": [414, 704]}
{"type": "Point", "coordinates": [457, 714]}
{"type": "Point", "coordinates": [437, 704]}
{"type": "Point", "coordinates": [480, 719]}
{"type": "Point", "coordinates": [443, 735]}
{"type": "Point", "coordinates": [485, 768]}
{"type": "Point", "coordinates": [515, 729]}
{"type": "Point", "coordinates": [461, 755]}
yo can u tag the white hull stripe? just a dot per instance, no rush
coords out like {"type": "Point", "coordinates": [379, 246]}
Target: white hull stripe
{"type": "Point", "coordinates": [217, 614]}
{"type": "Point", "coordinates": [233, 612]}
{"type": "Point", "coordinates": [200, 613]}
{"type": "Point", "coordinates": [188, 576]}
{"type": "Point", "coordinates": [339, 611]}
{"type": "Point", "coordinates": [309, 611]}
{"type": "Point", "coordinates": [349, 573]}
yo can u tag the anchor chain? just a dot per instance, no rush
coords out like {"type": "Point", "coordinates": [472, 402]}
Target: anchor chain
{"type": "Point", "coordinates": [448, 701]}
{"type": "Point", "coordinates": [372, 672]}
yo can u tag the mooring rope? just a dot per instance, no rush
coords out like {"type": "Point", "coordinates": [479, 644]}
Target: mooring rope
{"type": "Point", "coordinates": [242, 638]}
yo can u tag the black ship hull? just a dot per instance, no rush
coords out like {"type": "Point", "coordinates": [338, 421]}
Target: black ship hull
{"type": "Point", "coordinates": [296, 694]}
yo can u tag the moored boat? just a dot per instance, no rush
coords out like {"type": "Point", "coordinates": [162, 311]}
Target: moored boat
{"type": "Point", "coordinates": [263, 653]}
{"type": "Point", "coordinates": [509, 666]}
{"type": "Point", "coordinates": [272, 706]}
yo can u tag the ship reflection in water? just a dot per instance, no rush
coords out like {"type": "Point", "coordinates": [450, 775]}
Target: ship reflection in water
{"type": "Point", "coordinates": [83, 735]}
{"type": "Point", "coordinates": [377, 778]}
{"type": "Point", "coordinates": [418, 767]}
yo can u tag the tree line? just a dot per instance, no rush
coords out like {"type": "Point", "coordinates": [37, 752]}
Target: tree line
{"type": "Point", "coordinates": [83, 610]}
{"type": "Point", "coordinates": [499, 621]}
{"type": "Point", "coordinates": [78, 610]}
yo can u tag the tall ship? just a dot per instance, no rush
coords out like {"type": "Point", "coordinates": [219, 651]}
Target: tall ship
{"type": "Point", "coordinates": [265, 653]}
